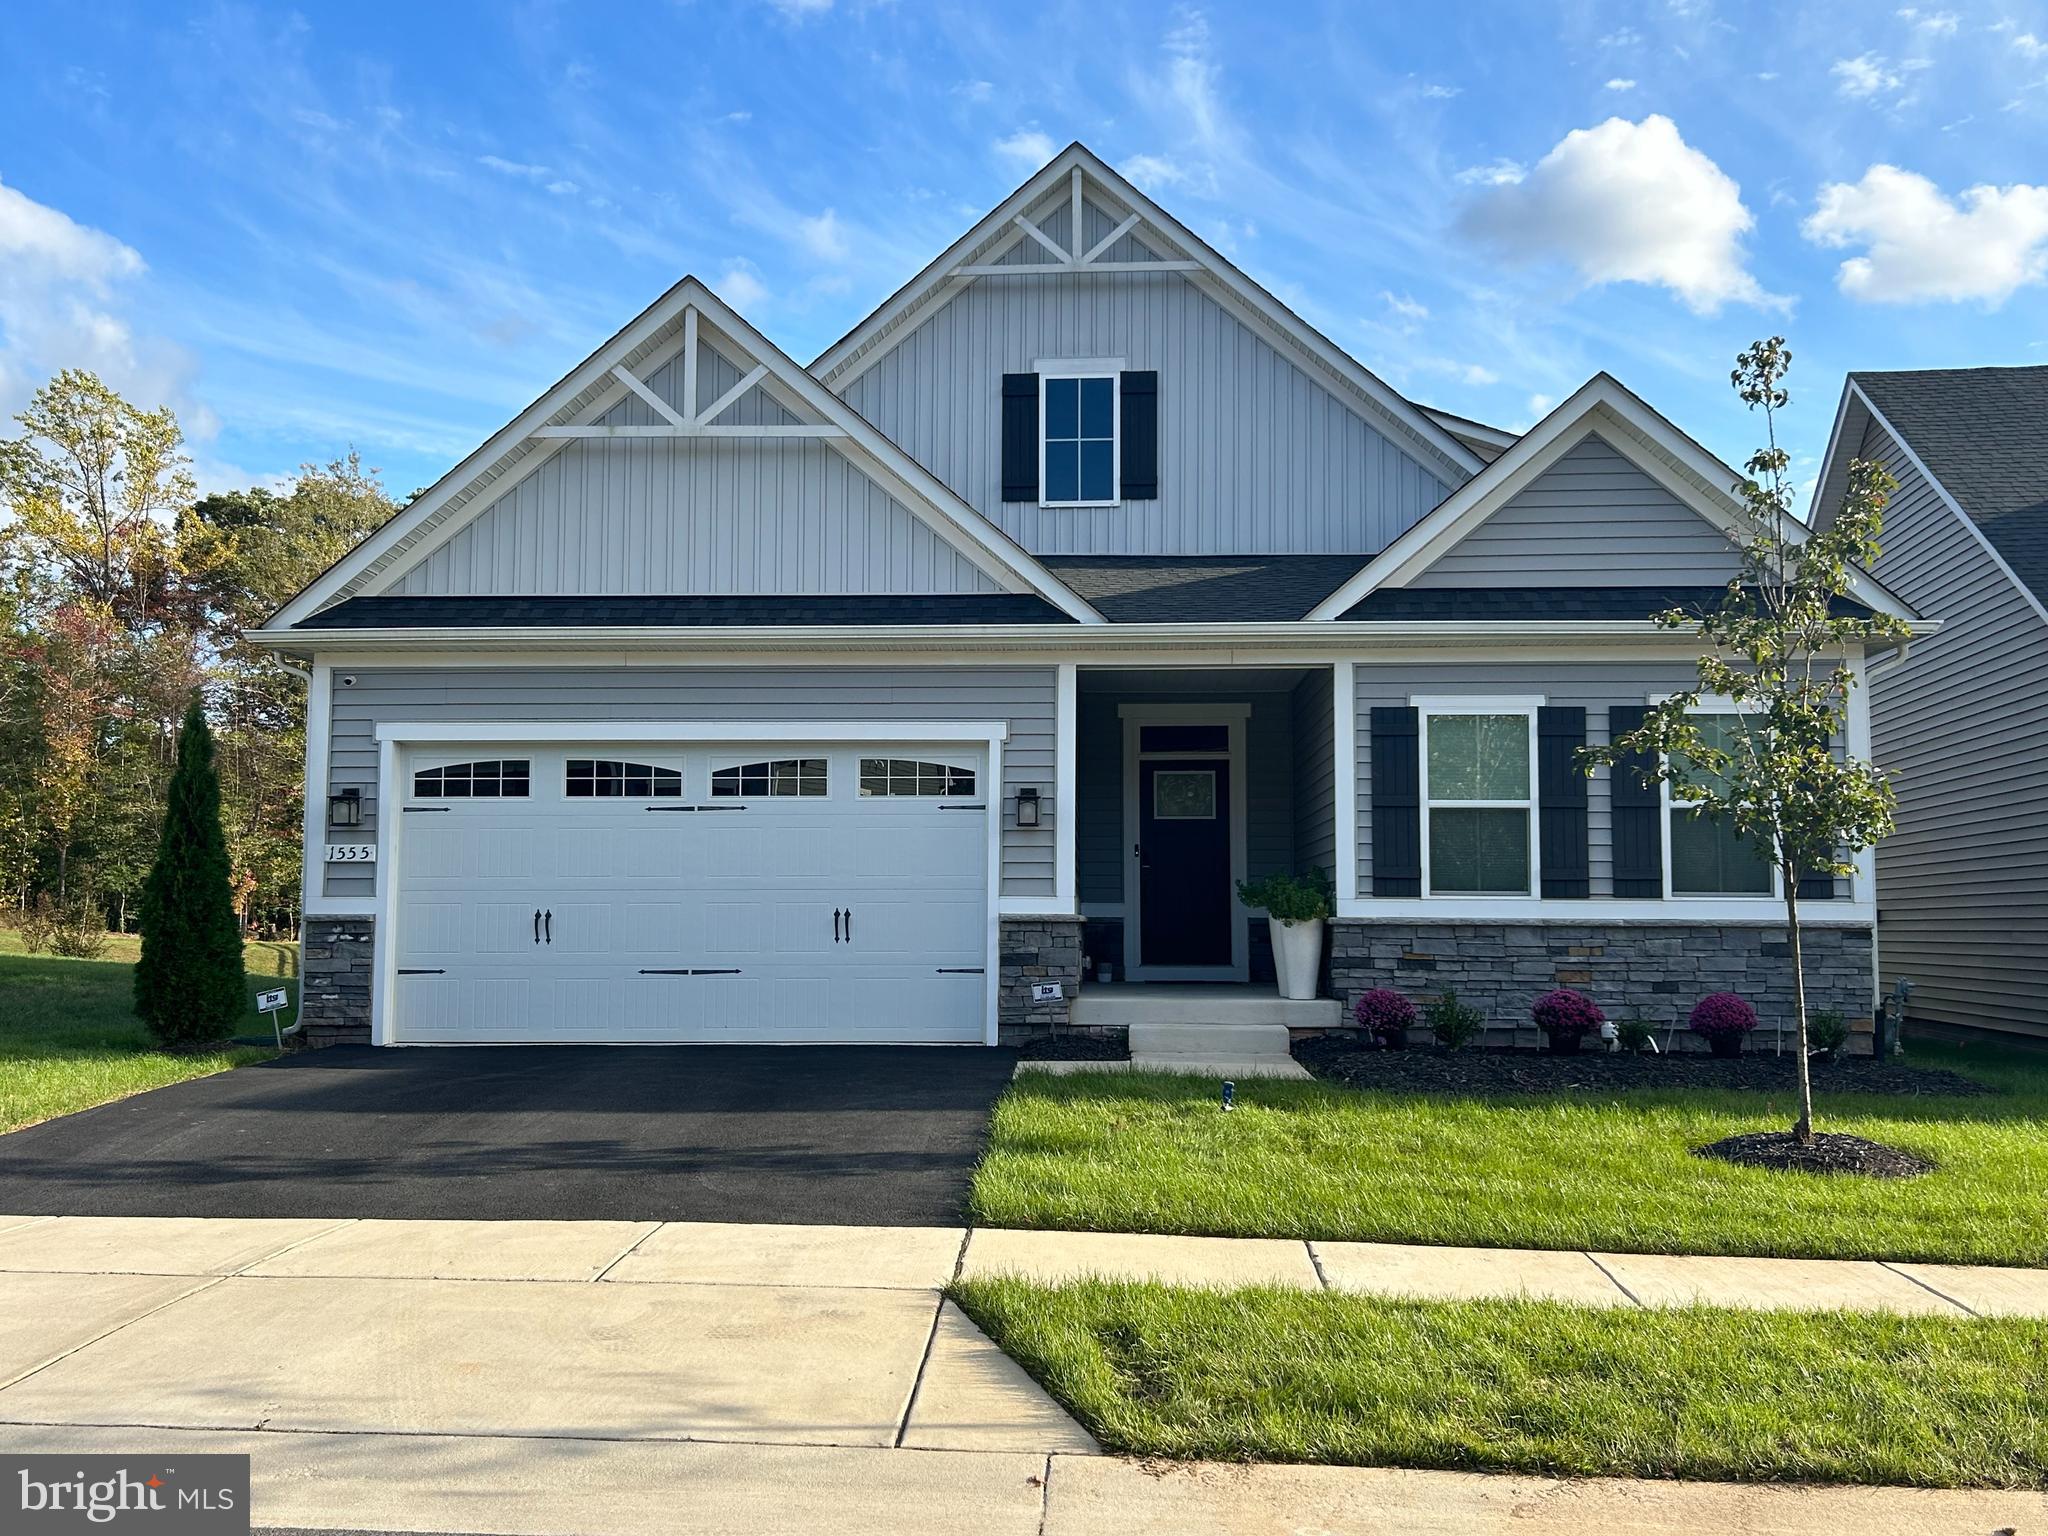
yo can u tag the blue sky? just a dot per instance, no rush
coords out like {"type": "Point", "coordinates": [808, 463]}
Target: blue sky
{"type": "Point", "coordinates": [394, 225]}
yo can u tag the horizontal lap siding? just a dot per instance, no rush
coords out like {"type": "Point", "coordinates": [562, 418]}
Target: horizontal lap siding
{"type": "Point", "coordinates": [1023, 696]}
{"type": "Point", "coordinates": [1591, 519]}
{"type": "Point", "coordinates": [705, 516]}
{"type": "Point", "coordinates": [1962, 723]}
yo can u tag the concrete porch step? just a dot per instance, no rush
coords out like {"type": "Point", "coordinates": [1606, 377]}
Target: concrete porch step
{"type": "Point", "coordinates": [1128, 1007]}
{"type": "Point", "coordinates": [1216, 1042]}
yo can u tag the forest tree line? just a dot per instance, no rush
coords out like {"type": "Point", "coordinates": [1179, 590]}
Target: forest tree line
{"type": "Point", "coordinates": [122, 590]}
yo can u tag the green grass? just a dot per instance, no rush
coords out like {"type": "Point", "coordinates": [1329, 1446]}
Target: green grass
{"type": "Point", "coordinates": [1532, 1386]}
{"type": "Point", "coordinates": [69, 1038]}
{"type": "Point", "coordinates": [1144, 1152]}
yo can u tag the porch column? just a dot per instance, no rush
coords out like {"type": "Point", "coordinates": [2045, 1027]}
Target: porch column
{"type": "Point", "coordinates": [1066, 774]}
{"type": "Point", "coordinates": [1344, 776]}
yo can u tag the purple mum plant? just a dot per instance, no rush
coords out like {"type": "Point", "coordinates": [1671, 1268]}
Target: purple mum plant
{"type": "Point", "coordinates": [1722, 1013]}
{"type": "Point", "coordinates": [1565, 1012]}
{"type": "Point", "coordinates": [1384, 1014]}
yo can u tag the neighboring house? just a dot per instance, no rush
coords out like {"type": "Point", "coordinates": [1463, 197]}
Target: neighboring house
{"type": "Point", "coordinates": [1962, 719]}
{"type": "Point", "coordinates": [720, 698]}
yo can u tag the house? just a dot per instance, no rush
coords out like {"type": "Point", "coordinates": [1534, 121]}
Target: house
{"type": "Point", "coordinates": [1962, 719]}
{"type": "Point", "coordinates": [717, 697]}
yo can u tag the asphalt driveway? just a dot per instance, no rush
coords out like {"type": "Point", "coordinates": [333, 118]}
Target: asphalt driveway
{"type": "Point", "coordinates": [853, 1135]}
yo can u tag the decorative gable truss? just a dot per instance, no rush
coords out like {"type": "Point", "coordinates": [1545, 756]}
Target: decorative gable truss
{"type": "Point", "coordinates": [688, 453]}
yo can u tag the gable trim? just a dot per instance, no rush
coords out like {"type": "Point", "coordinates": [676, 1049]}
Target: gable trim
{"type": "Point", "coordinates": [1601, 405]}
{"type": "Point", "coordinates": [594, 387]}
{"type": "Point", "coordinates": [1243, 299]}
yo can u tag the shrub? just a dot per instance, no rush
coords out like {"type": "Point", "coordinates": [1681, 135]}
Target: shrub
{"type": "Point", "coordinates": [188, 983]}
{"type": "Point", "coordinates": [1454, 1025]}
{"type": "Point", "coordinates": [1290, 898]}
{"type": "Point", "coordinates": [78, 930]}
{"type": "Point", "coordinates": [1565, 1012]}
{"type": "Point", "coordinates": [38, 924]}
{"type": "Point", "coordinates": [1383, 1013]}
{"type": "Point", "coordinates": [1827, 1030]}
{"type": "Point", "coordinates": [1635, 1034]}
{"type": "Point", "coordinates": [1722, 1013]}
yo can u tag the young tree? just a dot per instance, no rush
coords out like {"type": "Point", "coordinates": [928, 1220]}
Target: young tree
{"type": "Point", "coordinates": [188, 985]}
{"type": "Point", "coordinates": [1778, 647]}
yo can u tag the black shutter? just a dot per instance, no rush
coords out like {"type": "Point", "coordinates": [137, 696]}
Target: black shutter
{"type": "Point", "coordinates": [1638, 813]}
{"type": "Point", "coordinates": [1020, 437]}
{"type": "Point", "coordinates": [1139, 470]}
{"type": "Point", "coordinates": [1396, 803]}
{"type": "Point", "coordinates": [1561, 801]}
{"type": "Point", "coordinates": [1816, 885]}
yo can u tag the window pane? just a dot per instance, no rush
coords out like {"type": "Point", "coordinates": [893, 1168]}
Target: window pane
{"type": "Point", "coordinates": [1479, 757]}
{"type": "Point", "coordinates": [1189, 796]}
{"type": "Point", "coordinates": [1098, 409]}
{"type": "Point", "coordinates": [1183, 738]}
{"type": "Point", "coordinates": [1098, 472]}
{"type": "Point", "coordinates": [1062, 471]}
{"type": "Point", "coordinates": [1483, 852]}
{"type": "Point", "coordinates": [1710, 857]}
{"type": "Point", "coordinates": [1062, 408]}
{"type": "Point", "coordinates": [1725, 731]}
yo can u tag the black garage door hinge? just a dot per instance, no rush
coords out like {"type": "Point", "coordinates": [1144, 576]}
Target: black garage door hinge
{"type": "Point", "coordinates": [688, 971]}
{"type": "Point", "coordinates": [963, 970]}
{"type": "Point", "coordinates": [403, 971]}
{"type": "Point", "coordinates": [696, 807]}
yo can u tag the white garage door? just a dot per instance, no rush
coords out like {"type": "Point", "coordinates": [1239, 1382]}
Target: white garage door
{"type": "Point", "coordinates": [632, 893]}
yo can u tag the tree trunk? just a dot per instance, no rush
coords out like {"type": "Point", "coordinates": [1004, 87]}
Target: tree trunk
{"type": "Point", "coordinates": [1803, 1131]}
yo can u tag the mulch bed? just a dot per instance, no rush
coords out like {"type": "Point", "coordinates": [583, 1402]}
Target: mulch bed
{"type": "Point", "coordinates": [1828, 1152]}
{"type": "Point", "coordinates": [1345, 1058]}
{"type": "Point", "coordinates": [1115, 1045]}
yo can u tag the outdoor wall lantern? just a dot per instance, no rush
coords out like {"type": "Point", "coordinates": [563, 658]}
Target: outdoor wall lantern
{"type": "Point", "coordinates": [1027, 807]}
{"type": "Point", "coordinates": [345, 808]}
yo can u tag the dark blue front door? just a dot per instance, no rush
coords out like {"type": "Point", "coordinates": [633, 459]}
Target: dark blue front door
{"type": "Point", "coordinates": [1184, 861]}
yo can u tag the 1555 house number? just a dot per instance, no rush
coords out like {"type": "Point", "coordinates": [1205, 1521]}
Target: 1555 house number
{"type": "Point", "coordinates": [351, 853]}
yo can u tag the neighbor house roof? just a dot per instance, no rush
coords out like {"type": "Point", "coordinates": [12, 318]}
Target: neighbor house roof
{"type": "Point", "coordinates": [1195, 589]}
{"type": "Point", "coordinates": [1983, 433]}
{"type": "Point", "coordinates": [717, 611]}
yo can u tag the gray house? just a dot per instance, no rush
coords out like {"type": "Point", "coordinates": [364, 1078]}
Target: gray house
{"type": "Point", "coordinates": [1962, 719]}
{"type": "Point", "coordinates": [718, 697]}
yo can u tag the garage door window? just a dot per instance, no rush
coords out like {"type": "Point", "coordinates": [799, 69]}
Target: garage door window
{"type": "Point", "coordinates": [775, 779]}
{"type": "Point", "coordinates": [903, 776]}
{"type": "Point", "coordinates": [604, 778]}
{"type": "Point", "coordinates": [505, 779]}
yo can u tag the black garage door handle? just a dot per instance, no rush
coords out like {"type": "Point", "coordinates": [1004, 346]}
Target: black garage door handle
{"type": "Point", "coordinates": [549, 918]}
{"type": "Point", "coordinates": [536, 925]}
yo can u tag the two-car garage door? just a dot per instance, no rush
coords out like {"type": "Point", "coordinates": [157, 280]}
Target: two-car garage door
{"type": "Point", "coordinates": [781, 892]}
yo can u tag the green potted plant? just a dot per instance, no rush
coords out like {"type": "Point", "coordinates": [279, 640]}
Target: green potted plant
{"type": "Point", "coordinates": [1454, 1025]}
{"type": "Point", "coordinates": [1636, 1036]}
{"type": "Point", "coordinates": [1829, 1032]}
{"type": "Point", "coordinates": [1296, 907]}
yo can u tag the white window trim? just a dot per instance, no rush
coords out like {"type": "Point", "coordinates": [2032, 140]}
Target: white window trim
{"type": "Point", "coordinates": [1427, 706]}
{"type": "Point", "coordinates": [1091, 368]}
{"type": "Point", "coordinates": [1708, 704]}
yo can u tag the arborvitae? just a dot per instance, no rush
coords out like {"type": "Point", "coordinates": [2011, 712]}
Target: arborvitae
{"type": "Point", "coordinates": [188, 986]}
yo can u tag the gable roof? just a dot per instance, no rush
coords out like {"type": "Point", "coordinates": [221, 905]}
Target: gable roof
{"type": "Point", "coordinates": [699, 610]}
{"type": "Point", "coordinates": [1982, 435]}
{"type": "Point", "coordinates": [607, 377]}
{"type": "Point", "coordinates": [1604, 405]}
{"type": "Point", "coordinates": [1203, 589]}
{"type": "Point", "coordinates": [1077, 167]}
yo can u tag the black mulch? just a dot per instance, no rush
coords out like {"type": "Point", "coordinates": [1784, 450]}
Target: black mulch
{"type": "Point", "coordinates": [1827, 1152]}
{"type": "Point", "coordinates": [1343, 1058]}
{"type": "Point", "coordinates": [1112, 1045]}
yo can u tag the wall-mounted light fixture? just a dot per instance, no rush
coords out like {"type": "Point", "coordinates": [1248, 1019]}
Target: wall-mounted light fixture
{"type": "Point", "coordinates": [345, 808]}
{"type": "Point", "coordinates": [1027, 807]}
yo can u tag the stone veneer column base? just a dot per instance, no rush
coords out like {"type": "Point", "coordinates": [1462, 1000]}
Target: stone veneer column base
{"type": "Point", "coordinates": [1651, 971]}
{"type": "Point", "coordinates": [1036, 950]}
{"type": "Point", "coordinates": [334, 980]}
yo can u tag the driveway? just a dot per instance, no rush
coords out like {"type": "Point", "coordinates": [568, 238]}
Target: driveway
{"type": "Point", "coordinates": [852, 1135]}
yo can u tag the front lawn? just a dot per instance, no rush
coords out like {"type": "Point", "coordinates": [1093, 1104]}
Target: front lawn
{"type": "Point", "coordinates": [1532, 1386]}
{"type": "Point", "coordinates": [69, 1038]}
{"type": "Point", "coordinates": [1143, 1152]}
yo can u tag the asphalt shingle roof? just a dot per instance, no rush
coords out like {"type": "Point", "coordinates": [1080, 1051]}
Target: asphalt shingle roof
{"type": "Point", "coordinates": [1482, 605]}
{"type": "Point", "coordinates": [1983, 432]}
{"type": "Point", "coordinates": [682, 611]}
{"type": "Point", "coordinates": [1193, 589]}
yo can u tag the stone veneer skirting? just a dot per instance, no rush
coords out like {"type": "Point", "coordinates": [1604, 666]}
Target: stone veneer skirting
{"type": "Point", "coordinates": [1035, 950]}
{"type": "Point", "coordinates": [334, 980]}
{"type": "Point", "coordinates": [1652, 971]}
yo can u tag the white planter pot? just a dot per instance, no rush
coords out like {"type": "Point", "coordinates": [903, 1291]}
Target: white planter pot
{"type": "Point", "coordinates": [1298, 956]}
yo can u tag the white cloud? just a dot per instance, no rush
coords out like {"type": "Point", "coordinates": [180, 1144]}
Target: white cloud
{"type": "Point", "coordinates": [1933, 23]}
{"type": "Point", "coordinates": [1921, 245]}
{"type": "Point", "coordinates": [1628, 203]}
{"type": "Point", "coordinates": [1864, 76]}
{"type": "Point", "coordinates": [1539, 405]}
{"type": "Point", "coordinates": [1496, 173]}
{"type": "Point", "coordinates": [1027, 148]}
{"type": "Point", "coordinates": [1153, 172]}
{"type": "Point", "coordinates": [1404, 306]}
{"type": "Point", "coordinates": [975, 90]}
{"type": "Point", "coordinates": [2028, 46]}
{"type": "Point", "coordinates": [1475, 374]}
{"type": "Point", "coordinates": [1624, 37]}
{"type": "Point", "coordinates": [741, 287]}
{"type": "Point", "coordinates": [506, 167]}
{"type": "Point", "coordinates": [1442, 92]}
{"type": "Point", "coordinates": [1619, 84]}
{"type": "Point", "coordinates": [823, 236]}
{"type": "Point", "coordinates": [562, 188]}
{"type": "Point", "coordinates": [801, 10]}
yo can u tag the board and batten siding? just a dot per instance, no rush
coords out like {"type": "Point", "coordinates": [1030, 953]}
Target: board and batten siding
{"type": "Point", "coordinates": [1255, 456]}
{"type": "Point", "coordinates": [1962, 724]}
{"type": "Point", "coordinates": [632, 516]}
{"type": "Point", "coordinates": [1315, 773]}
{"type": "Point", "coordinates": [1592, 519]}
{"type": "Point", "coordinates": [1024, 696]}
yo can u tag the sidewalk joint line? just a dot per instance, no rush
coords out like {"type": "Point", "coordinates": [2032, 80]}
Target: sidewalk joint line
{"type": "Point", "coordinates": [1615, 1280]}
{"type": "Point", "coordinates": [1966, 1308]}
{"type": "Point", "coordinates": [311, 1237]}
{"type": "Point", "coordinates": [960, 1258]}
{"type": "Point", "coordinates": [208, 1282]}
{"type": "Point", "coordinates": [931, 1341]}
{"type": "Point", "coordinates": [1045, 1496]}
{"type": "Point", "coordinates": [628, 1251]}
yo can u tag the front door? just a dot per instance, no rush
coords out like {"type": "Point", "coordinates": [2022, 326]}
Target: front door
{"type": "Point", "coordinates": [1184, 861]}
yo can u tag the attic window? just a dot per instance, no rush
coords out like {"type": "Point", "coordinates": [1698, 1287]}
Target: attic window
{"type": "Point", "coordinates": [1078, 451]}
